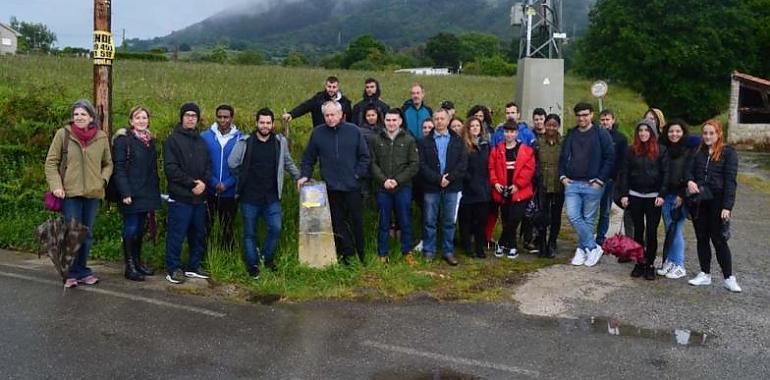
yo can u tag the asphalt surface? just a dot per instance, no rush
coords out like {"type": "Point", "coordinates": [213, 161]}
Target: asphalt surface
{"type": "Point", "coordinates": [119, 330]}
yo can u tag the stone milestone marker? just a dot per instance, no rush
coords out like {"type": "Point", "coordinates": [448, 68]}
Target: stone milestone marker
{"type": "Point", "coordinates": [316, 237]}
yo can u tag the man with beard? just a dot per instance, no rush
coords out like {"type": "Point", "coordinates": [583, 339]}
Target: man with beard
{"type": "Point", "coordinates": [313, 105]}
{"type": "Point", "coordinates": [259, 160]}
{"type": "Point", "coordinates": [371, 97]}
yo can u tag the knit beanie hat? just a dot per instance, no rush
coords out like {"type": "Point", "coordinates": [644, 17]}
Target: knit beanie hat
{"type": "Point", "coordinates": [649, 124]}
{"type": "Point", "coordinates": [187, 107]}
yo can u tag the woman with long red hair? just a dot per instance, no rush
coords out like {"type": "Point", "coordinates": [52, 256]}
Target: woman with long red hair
{"type": "Point", "coordinates": [711, 185]}
{"type": "Point", "coordinates": [643, 183]}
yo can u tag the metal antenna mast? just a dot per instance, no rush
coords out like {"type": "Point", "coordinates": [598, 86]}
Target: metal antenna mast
{"type": "Point", "coordinates": [540, 21]}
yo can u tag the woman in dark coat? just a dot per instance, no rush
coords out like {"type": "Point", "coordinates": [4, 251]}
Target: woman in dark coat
{"type": "Point", "coordinates": [136, 179]}
{"type": "Point", "coordinates": [712, 180]}
{"type": "Point", "coordinates": [476, 189]}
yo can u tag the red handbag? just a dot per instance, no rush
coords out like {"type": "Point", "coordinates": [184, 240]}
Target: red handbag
{"type": "Point", "coordinates": [623, 246]}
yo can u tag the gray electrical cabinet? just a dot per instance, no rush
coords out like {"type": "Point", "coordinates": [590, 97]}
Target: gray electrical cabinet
{"type": "Point", "coordinates": [540, 83]}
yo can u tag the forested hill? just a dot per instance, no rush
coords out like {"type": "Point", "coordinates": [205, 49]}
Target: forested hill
{"type": "Point", "coordinates": [321, 26]}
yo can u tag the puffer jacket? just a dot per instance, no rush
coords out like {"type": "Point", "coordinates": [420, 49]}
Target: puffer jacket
{"type": "Point", "coordinates": [88, 169]}
{"type": "Point", "coordinates": [720, 176]}
{"type": "Point", "coordinates": [643, 175]}
{"type": "Point", "coordinates": [523, 173]}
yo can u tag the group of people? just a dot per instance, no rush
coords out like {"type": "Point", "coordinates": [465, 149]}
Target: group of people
{"type": "Point", "coordinates": [463, 173]}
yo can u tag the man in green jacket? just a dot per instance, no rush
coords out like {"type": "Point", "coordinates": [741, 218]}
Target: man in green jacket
{"type": "Point", "coordinates": [395, 162]}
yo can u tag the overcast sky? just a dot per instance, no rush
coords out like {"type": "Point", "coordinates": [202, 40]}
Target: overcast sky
{"type": "Point", "coordinates": [72, 20]}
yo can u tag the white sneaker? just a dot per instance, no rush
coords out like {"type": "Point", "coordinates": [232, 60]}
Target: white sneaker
{"type": "Point", "coordinates": [418, 247]}
{"type": "Point", "coordinates": [700, 279]}
{"type": "Point", "coordinates": [731, 284]}
{"type": "Point", "coordinates": [667, 267]}
{"type": "Point", "coordinates": [500, 251]}
{"type": "Point", "coordinates": [594, 256]}
{"type": "Point", "coordinates": [580, 257]}
{"type": "Point", "coordinates": [512, 254]}
{"type": "Point", "coordinates": [676, 272]}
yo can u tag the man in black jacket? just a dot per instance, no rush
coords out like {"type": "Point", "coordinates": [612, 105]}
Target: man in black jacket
{"type": "Point", "coordinates": [371, 97]}
{"type": "Point", "coordinates": [344, 157]}
{"type": "Point", "coordinates": [619, 141]}
{"type": "Point", "coordinates": [188, 167]}
{"type": "Point", "coordinates": [443, 162]}
{"type": "Point", "coordinates": [313, 105]}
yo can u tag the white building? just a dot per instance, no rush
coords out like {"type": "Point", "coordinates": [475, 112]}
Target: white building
{"type": "Point", "coordinates": [749, 115]}
{"type": "Point", "coordinates": [8, 39]}
{"type": "Point", "coordinates": [425, 71]}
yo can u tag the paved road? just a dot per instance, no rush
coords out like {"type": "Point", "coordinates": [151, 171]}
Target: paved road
{"type": "Point", "coordinates": [121, 330]}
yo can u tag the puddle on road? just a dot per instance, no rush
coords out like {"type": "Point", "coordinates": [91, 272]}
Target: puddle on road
{"type": "Point", "coordinates": [439, 374]}
{"type": "Point", "coordinates": [614, 327]}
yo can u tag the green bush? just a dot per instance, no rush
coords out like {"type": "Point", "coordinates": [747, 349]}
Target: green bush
{"type": "Point", "coordinates": [140, 56]}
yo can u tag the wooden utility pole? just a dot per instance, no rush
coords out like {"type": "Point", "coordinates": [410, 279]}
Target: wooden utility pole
{"type": "Point", "coordinates": [103, 54]}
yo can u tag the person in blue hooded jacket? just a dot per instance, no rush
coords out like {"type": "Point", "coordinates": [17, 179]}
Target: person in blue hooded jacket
{"type": "Point", "coordinates": [220, 139]}
{"type": "Point", "coordinates": [416, 111]}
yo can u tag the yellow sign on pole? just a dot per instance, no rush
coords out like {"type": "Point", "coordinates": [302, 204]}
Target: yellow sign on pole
{"type": "Point", "coordinates": [103, 52]}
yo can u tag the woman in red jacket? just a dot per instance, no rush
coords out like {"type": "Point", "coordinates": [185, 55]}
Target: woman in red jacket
{"type": "Point", "coordinates": [511, 168]}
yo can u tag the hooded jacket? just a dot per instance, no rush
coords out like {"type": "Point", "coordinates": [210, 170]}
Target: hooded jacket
{"type": "Point", "coordinates": [360, 107]}
{"type": "Point", "coordinates": [526, 136]}
{"type": "Point", "coordinates": [239, 161]}
{"type": "Point", "coordinates": [220, 172]}
{"type": "Point", "coordinates": [343, 154]}
{"type": "Point", "coordinates": [523, 173]}
{"type": "Point", "coordinates": [413, 117]}
{"type": "Point", "coordinates": [313, 105]}
{"type": "Point", "coordinates": [185, 160]}
{"type": "Point", "coordinates": [135, 168]}
{"type": "Point", "coordinates": [87, 171]}
{"type": "Point", "coordinates": [643, 175]}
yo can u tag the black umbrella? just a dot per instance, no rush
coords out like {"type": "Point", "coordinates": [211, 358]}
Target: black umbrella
{"type": "Point", "coordinates": [61, 241]}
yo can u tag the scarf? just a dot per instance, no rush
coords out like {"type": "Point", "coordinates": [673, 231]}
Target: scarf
{"type": "Point", "coordinates": [143, 136]}
{"type": "Point", "coordinates": [676, 150]}
{"type": "Point", "coordinates": [84, 135]}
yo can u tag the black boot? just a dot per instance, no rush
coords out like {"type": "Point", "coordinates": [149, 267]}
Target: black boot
{"type": "Point", "coordinates": [137, 254]}
{"type": "Point", "coordinates": [130, 273]}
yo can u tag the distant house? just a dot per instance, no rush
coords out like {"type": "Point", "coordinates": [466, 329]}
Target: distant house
{"type": "Point", "coordinates": [426, 71]}
{"type": "Point", "coordinates": [749, 115]}
{"type": "Point", "coordinates": [8, 39]}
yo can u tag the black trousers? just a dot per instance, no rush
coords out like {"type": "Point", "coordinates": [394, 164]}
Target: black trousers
{"type": "Point", "coordinates": [473, 222]}
{"type": "Point", "coordinates": [646, 219]}
{"type": "Point", "coordinates": [346, 209]}
{"type": "Point", "coordinates": [552, 206]}
{"type": "Point", "coordinates": [513, 214]}
{"type": "Point", "coordinates": [708, 229]}
{"type": "Point", "coordinates": [223, 209]}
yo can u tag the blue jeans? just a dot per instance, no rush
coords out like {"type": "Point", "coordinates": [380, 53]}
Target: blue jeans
{"type": "Point", "coordinates": [252, 212]}
{"type": "Point", "coordinates": [446, 202]}
{"type": "Point", "coordinates": [133, 224]}
{"type": "Point", "coordinates": [582, 202]}
{"type": "Point", "coordinates": [185, 220]}
{"type": "Point", "coordinates": [675, 252]}
{"type": "Point", "coordinates": [84, 211]}
{"type": "Point", "coordinates": [401, 200]}
{"type": "Point", "coordinates": [605, 205]}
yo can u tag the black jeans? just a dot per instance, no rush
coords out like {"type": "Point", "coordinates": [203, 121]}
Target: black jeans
{"type": "Point", "coordinates": [346, 209]}
{"type": "Point", "coordinates": [513, 214]}
{"type": "Point", "coordinates": [224, 210]}
{"type": "Point", "coordinates": [644, 210]}
{"type": "Point", "coordinates": [708, 229]}
{"type": "Point", "coordinates": [552, 204]}
{"type": "Point", "coordinates": [473, 222]}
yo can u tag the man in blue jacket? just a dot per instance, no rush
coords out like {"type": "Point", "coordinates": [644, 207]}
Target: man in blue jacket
{"type": "Point", "coordinates": [585, 165]}
{"type": "Point", "coordinates": [220, 139]}
{"type": "Point", "coordinates": [416, 111]}
{"type": "Point", "coordinates": [344, 157]}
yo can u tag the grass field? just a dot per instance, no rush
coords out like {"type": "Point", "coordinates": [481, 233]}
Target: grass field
{"type": "Point", "coordinates": [35, 93]}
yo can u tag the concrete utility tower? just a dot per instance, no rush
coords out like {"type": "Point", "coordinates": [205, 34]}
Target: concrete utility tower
{"type": "Point", "coordinates": [540, 69]}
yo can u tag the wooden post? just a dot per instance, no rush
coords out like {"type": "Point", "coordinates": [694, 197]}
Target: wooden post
{"type": "Point", "coordinates": [103, 54]}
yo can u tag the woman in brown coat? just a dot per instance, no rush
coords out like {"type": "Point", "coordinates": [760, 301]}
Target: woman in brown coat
{"type": "Point", "coordinates": [88, 166]}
